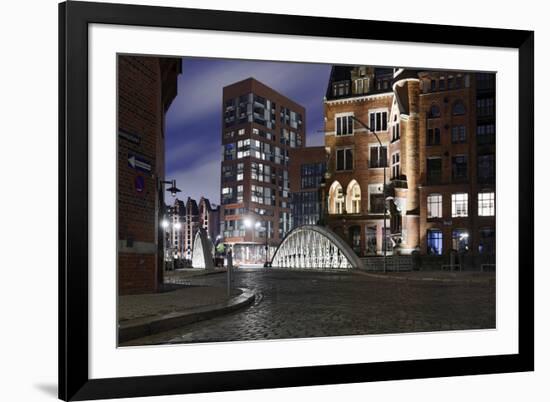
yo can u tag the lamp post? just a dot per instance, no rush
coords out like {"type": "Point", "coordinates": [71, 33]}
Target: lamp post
{"type": "Point", "coordinates": [249, 222]}
{"type": "Point", "coordinates": [384, 241]}
{"type": "Point", "coordinates": [266, 246]}
{"type": "Point", "coordinates": [162, 216]}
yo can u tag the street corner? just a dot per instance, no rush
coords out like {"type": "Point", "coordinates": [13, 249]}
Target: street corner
{"type": "Point", "coordinates": [165, 315]}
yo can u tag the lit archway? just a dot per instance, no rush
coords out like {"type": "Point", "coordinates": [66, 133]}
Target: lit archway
{"type": "Point", "coordinates": [336, 199]}
{"type": "Point", "coordinates": [314, 247]}
{"type": "Point", "coordinates": [353, 198]}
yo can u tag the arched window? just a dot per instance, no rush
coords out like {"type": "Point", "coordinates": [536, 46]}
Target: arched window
{"type": "Point", "coordinates": [353, 198]}
{"type": "Point", "coordinates": [336, 199]}
{"type": "Point", "coordinates": [458, 108]}
{"type": "Point", "coordinates": [434, 112]}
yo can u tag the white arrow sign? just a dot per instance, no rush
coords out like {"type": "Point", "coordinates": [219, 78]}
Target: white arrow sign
{"type": "Point", "coordinates": [136, 163]}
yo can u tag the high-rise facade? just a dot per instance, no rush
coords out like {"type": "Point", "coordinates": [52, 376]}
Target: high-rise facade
{"type": "Point", "coordinates": [307, 172]}
{"type": "Point", "coordinates": [259, 127]}
{"type": "Point", "coordinates": [437, 136]}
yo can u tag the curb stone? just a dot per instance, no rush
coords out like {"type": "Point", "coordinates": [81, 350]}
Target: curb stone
{"type": "Point", "coordinates": [430, 279]}
{"type": "Point", "coordinates": [141, 327]}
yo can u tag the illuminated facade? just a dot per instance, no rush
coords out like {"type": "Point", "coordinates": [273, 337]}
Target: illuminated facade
{"type": "Point", "coordinates": [259, 128]}
{"type": "Point", "coordinates": [437, 131]}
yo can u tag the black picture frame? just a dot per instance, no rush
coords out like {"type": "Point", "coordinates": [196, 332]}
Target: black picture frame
{"type": "Point", "coordinates": [74, 381]}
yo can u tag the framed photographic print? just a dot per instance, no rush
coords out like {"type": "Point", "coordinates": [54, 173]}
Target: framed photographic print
{"type": "Point", "coordinates": [258, 200]}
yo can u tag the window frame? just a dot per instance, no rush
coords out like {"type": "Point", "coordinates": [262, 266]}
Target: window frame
{"type": "Point", "coordinates": [344, 149]}
{"type": "Point", "coordinates": [430, 204]}
{"type": "Point", "coordinates": [455, 213]}
{"type": "Point", "coordinates": [481, 207]}
{"type": "Point", "coordinates": [374, 127]}
{"type": "Point", "coordinates": [349, 117]}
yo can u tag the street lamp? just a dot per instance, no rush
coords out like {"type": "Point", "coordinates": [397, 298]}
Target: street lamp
{"type": "Point", "coordinates": [385, 240]}
{"type": "Point", "coordinates": [161, 214]}
{"type": "Point", "coordinates": [172, 189]}
{"type": "Point", "coordinates": [258, 225]}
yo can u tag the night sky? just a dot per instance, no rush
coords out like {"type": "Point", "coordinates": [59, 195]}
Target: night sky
{"type": "Point", "coordinates": [193, 122]}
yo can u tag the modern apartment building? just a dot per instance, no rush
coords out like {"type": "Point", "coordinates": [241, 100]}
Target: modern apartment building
{"type": "Point", "coordinates": [306, 171]}
{"type": "Point", "coordinates": [259, 128]}
{"type": "Point", "coordinates": [437, 133]}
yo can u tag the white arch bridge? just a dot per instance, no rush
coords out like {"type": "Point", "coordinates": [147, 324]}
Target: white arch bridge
{"type": "Point", "coordinates": [314, 247]}
{"type": "Point", "coordinates": [203, 251]}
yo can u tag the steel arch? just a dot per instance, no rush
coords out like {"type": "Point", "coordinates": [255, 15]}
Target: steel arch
{"type": "Point", "coordinates": [314, 247]}
{"type": "Point", "coordinates": [202, 251]}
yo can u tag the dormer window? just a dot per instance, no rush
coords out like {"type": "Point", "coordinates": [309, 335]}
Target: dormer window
{"type": "Point", "coordinates": [340, 88]}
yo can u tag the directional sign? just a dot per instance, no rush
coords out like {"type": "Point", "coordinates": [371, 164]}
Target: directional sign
{"type": "Point", "coordinates": [133, 138]}
{"type": "Point", "coordinates": [139, 163]}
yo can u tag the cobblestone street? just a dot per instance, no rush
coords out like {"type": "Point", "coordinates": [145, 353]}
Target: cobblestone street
{"type": "Point", "coordinates": [292, 304]}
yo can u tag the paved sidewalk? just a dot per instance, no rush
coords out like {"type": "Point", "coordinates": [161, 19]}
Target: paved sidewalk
{"type": "Point", "coordinates": [147, 314]}
{"type": "Point", "coordinates": [186, 297]}
{"type": "Point", "coordinates": [180, 275]}
{"type": "Point", "coordinates": [437, 276]}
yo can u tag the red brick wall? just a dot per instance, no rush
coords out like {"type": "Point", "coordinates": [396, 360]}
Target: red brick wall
{"type": "Point", "coordinates": [141, 107]}
{"type": "Point", "coordinates": [135, 273]}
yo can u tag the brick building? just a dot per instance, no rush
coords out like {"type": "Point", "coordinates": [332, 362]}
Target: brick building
{"type": "Point", "coordinates": [437, 133]}
{"type": "Point", "coordinates": [190, 228]}
{"type": "Point", "coordinates": [259, 127]}
{"type": "Point", "coordinates": [209, 218]}
{"type": "Point", "coordinates": [182, 222]}
{"type": "Point", "coordinates": [306, 170]}
{"type": "Point", "coordinates": [146, 87]}
{"type": "Point", "coordinates": [174, 225]}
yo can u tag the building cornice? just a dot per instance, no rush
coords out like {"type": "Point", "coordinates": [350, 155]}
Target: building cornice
{"type": "Point", "coordinates": [359, 98]}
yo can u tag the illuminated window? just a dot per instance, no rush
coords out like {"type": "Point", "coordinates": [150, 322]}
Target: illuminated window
{"type": "Point", "coordinates": [459, 205]}
{"type": "Point", "coordinates": [434, 242]}
{"type": "Point", "coordinates": [354, 198]}
{"type": "Point", "coordinates": [336, 199]}
{"type": "Point", "coordinates": [461, 240]}
{"type": "Point", "coordinates": [435, 206]}
{"type": "Point", "coordinates": [486, 204]}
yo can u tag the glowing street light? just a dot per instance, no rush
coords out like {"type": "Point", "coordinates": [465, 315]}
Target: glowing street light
{"type": "Point", "coordinates": [248, 222]}
{"type": "Point", "coordinates": [177, 226]}
{"type": "Point", "coordinates": [165, 223]}
{"type": "Point", "coordinates": [172, 189]}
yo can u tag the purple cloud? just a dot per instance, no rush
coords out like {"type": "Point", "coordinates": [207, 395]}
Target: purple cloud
{"type": "Point", "coordinates": [193, 122]}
